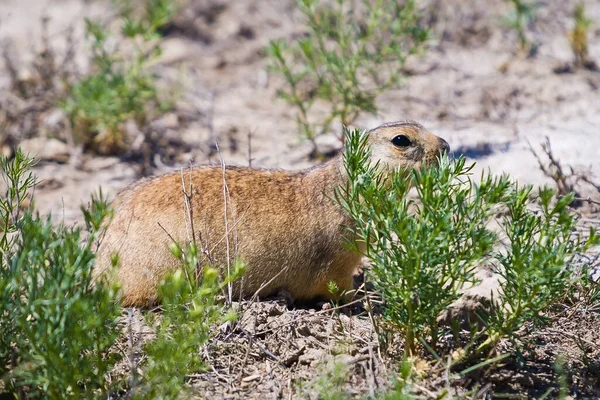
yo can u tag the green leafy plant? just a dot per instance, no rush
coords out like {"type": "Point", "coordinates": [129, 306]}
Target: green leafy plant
{"type": "Point", "coordinates": [148, 16]}
{"type": "Point", "coordinates": [189, 311]}
{"type": "Point", "coordinates": [351, 53]}
{"type": "Point", "coordinates": [424, 250]}
{"type": "Point", "coordinates": [536, 264]}
{"type": "Point", "coordinates": [578, 37]}
{"type": "Point", "coordinates": [120, 88]}
{"type": "Point", "coordinates": [403, 388]}
{"type": "Point", "coordinates": [523, 14]}
{"type": "Point", "coordinates": [57, 326]}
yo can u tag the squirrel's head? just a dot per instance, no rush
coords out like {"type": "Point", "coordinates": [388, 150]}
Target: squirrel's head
{"type": "Point", "coordinates": [405, 145]}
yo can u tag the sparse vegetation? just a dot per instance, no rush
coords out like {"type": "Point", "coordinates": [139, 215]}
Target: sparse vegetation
{"type": "Point", "coordinates": [106, 110]}
{"type": "Point", "coordinates": [329, 385]}
{"type": "Point", "coordinates": [35, 90]}
{"type": "Point", "coordinates": [148, 16]}
{"type": "Point", "coordinates": [352, 52]}
{"type": "Point", "coordinates": [578, 37]}
{"type": "Point", "coordinates": [523, 14]}
{"type": "Point", "coordinates": [121, 88]}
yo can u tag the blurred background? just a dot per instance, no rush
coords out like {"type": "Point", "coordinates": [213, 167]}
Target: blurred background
{"type": "Point", "coordinates": [106, 92]}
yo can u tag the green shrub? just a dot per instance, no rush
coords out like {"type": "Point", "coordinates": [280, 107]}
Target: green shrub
{"type": "Point", "coordinates": [351, 53]}
{"type": "Point", "coordinates": [148, 16]}
{"type": "Point", "coordinates": [190, 311]}
{"type": "Point", "coordinates": [536, 265]}
{"type": "Point", "coordinates": [423, 250]}
{"type": "Point", "coordinates": [56, 325]}
{"type": "Point", "coordinates": [120, 87]}
{"type": "Point", "coordinates": [578, 37]}
{"type": "Point", "coordinates": [523, 14]}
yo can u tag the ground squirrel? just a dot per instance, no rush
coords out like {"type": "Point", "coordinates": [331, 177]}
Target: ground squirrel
{"type": "Point", "coordinates": [283, 225]}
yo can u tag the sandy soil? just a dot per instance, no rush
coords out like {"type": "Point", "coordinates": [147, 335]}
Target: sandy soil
{"type": "Point", "coordinates": [470, 86]}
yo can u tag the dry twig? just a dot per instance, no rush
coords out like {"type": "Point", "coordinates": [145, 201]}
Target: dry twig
{"type": "Point", "coordinates": [565, 181]}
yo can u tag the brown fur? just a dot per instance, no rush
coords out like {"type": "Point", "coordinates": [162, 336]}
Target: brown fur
{"type": "Point", "coordinates": [277, 220]}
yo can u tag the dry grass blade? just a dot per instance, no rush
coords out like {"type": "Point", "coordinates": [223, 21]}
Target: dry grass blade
{"type": "Point", "coordinates": [226, 200]}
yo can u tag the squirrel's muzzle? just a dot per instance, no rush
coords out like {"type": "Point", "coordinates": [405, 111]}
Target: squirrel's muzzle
{"type": "Point", "coordinates": [444, 146]}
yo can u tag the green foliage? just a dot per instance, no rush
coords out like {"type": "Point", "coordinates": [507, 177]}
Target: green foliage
{"type": "Point", "coordinates": [58, 323]}
{"type": "Point", "coordinates": [120, 87]}
{"type": "Point", "coordinates": [351, 53]}
{"type": "Point", "coordinates": [535, 266]}
{"type": "Point", "coordinates": [189, 312]}
{"type": "Point", "coordinates": [424, 250]}
{"type": "Point", "coordinates": [57, 326]}
{"type": "Point", "coordinates": [403, 384]}
{"type": "Point", "coordinates": [578, 37]}
{"type": "Point", "coordinates": [333, 288]}
{"type": "Point", "coordinates": [19, 180]}
{"type": "Point", "coordinates": [154, 15]}
{"type": "Point", "coordinates": [523, 14]}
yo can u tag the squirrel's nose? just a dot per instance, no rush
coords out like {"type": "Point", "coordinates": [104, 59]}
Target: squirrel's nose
{"type": "Point", "coordinates": [444, 146]}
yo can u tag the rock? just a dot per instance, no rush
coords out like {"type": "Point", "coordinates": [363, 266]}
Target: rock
{"type": "Point", "coordinates": [53, 120]}
{"type": "Point", "coordinates": [167, 121]}
{"type": "Point", "coordinates": [310, 356]}
{"type": "Point", "coordinates": [44, 149]}
{"type": "Point", "coordinates": [328, 144]}
{"type": "Point", "coordinates": [101, 163]}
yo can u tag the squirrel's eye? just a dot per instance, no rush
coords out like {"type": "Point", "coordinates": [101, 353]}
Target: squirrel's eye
{"type": "Point", "coordinates": [401, 141]}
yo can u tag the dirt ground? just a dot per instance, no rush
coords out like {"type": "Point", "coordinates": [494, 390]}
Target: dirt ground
{"type": "Point", "coordinates": [470, 86]}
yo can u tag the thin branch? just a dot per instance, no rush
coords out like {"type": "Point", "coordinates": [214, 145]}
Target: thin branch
{"type": "Point", "coordinates": [587, 199]}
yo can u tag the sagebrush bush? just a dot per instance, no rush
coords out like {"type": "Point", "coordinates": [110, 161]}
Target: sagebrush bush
{"type": "Point", "coordinates": [121, 86]}
{"type": "Point", "coordinates": [56, 325]}
{"type": "Point", "coordinates": [424, 249]}
{"type": "Point", "coordinates": [351, 53]}
{"type": "Point", "coordinates": [536, 264]}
